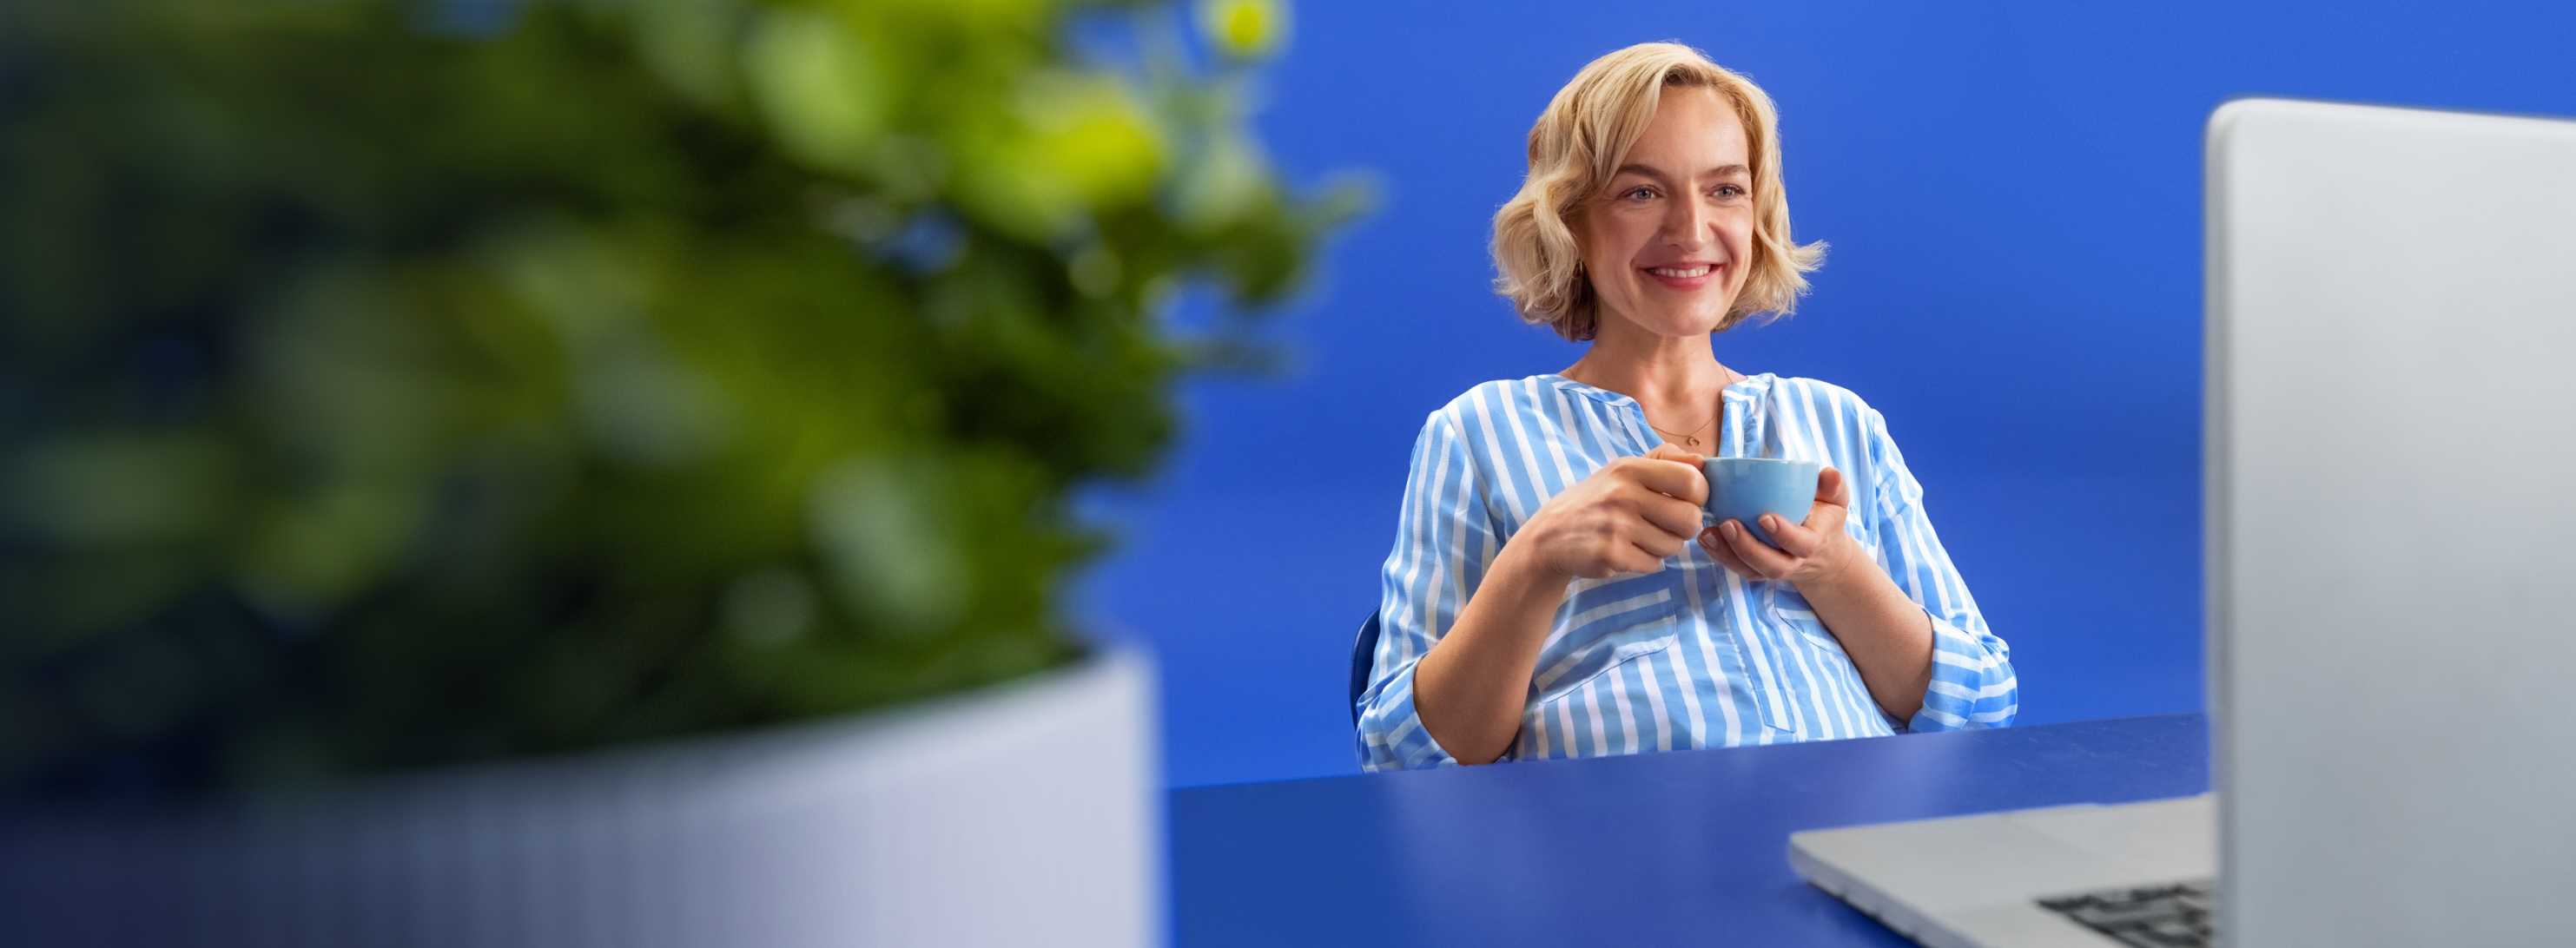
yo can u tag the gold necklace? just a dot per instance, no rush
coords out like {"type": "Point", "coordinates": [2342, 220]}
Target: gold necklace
{"type": "Point", "coordinates": [1688, 440]}
{"type": "Point", "coordinates": [1692, 440]}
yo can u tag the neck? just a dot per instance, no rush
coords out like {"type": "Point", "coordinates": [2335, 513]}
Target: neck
{"type": "Point", "coordinates": [1670, 376]}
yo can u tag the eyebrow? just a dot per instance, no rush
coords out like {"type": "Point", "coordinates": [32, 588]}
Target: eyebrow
{"type": "Point", "coordinates": [1643, 171]}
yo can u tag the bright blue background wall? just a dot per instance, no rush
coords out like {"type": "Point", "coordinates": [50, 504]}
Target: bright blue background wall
{"type": "Point", "coordinates": [2012, 192]}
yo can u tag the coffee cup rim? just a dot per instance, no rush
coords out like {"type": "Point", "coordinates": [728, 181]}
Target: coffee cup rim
{"type": "Point", "coordinates": [1759, 460]}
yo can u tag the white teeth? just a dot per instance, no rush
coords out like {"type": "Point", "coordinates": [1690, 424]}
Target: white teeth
{"type": "Point", "coordinates": [1678, 273]}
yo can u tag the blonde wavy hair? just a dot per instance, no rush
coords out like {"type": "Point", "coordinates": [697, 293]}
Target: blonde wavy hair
{"type": "Point", "coordinates": [1581, 140]}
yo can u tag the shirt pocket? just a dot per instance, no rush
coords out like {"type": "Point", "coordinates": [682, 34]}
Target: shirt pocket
{"type": "Point", "coordinates": [1567, 715]}
{"type": "Point", "coordinates": [1791, 610]}
{"type": "Point", "coordinates": [1607, 636]}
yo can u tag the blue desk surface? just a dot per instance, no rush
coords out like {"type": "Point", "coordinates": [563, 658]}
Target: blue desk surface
{"type": "Point", "coordinates": [1688, 847]}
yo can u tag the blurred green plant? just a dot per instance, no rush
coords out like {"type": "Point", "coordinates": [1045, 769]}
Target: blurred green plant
{"type": "Point", "coordinates": [387, 385]}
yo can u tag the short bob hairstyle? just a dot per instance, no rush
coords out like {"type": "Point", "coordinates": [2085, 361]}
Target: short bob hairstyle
{"type": "Point", "coordinates": [1580, 141]}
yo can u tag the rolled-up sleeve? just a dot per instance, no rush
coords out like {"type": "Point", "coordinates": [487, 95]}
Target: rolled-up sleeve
{"type": "Point", "coordinates": [1972, 674]}
{"type": "Point", "coordinates": [1444, 540]}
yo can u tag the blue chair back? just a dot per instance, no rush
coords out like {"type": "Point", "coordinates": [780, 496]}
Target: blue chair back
{"type": "Point", "coordinates": [1363, 661]}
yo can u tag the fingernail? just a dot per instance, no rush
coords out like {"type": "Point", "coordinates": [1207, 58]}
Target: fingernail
{"type": "Point", "coordinates": [1770, 522]}
{"type": "Point", "coordinates": [1728, 528]}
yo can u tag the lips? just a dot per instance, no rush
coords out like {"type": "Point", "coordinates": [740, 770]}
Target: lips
{"type": "Point", "coordinates": [1686, 276]}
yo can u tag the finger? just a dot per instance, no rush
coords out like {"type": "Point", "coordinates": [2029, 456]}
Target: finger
{"type": "Point", "coordinates": [1672, 477]}
{"type": "Point", "coordinates": [1672, 515]}
{"type": "Point", "coordinates": [1833, 488]}
{"type": "Point", "coordinates": [1756, 554]}
{"type": "Point", "coordinates": [1659, 543]}
{"type": "Point", "coordinates": [1627, 558]}
{"type": "Point", "coordinates": [1826, 519]}
{"type": "Point", "coordinates": [1798, 540]}
{"type": "Point", "coordinates": [1715, 543]}
{"type": "Point", "coordinates": [1657, 539]}
{"type": "Point", "coordinates": [1666, 452]}
{"type": "Point", "coordinates": [1829, 486]}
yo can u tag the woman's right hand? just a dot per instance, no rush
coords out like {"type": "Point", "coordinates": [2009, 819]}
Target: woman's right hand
{"type": "Point", "coordinates": [1625, 518]}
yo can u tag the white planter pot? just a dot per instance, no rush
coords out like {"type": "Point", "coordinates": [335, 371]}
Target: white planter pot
{"type": "Point", "coordinates": [1023, 814]}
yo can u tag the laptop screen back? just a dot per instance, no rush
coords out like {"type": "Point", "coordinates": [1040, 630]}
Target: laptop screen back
{"type": "Point", "coordinates": [2391, 523]}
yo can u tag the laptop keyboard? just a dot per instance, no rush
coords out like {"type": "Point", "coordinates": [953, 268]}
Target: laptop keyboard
{"type": "Point", "coordinates": [2160, 916]}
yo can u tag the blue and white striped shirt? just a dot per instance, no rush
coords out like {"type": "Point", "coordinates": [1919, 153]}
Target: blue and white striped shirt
{"type": "Point", "coordinates": [1689, 656]}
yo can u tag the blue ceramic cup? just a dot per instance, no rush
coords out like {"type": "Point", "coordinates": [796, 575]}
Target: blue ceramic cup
{"type": "Point", "coordinates": [1743, 489]}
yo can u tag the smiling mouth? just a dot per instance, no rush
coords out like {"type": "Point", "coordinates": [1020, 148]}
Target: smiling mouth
{"type": "Point", "coordinates": [1685, 278]}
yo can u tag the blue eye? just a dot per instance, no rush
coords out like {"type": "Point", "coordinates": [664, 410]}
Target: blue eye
{"type": "Point", "coordinates": [1729, 190]}
{"type": "Point", "coordinates": [1639, 191]}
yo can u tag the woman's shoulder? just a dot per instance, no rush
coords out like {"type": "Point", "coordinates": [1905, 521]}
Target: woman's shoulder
{"type": "Point", "coordinates": [1826, 397]}
{"type": "Point", "coordinates": [1500, 397]}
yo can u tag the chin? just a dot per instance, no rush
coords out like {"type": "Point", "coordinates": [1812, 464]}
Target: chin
{"type": "Point", "coordinates": [1680, 325]}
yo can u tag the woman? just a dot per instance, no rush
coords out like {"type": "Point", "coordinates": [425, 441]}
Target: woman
{"type": "Point", "coordinates": [1554, 591]}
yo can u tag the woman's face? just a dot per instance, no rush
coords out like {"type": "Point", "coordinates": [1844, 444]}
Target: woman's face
{"type": "Point", "coordinates": [1666, 245]}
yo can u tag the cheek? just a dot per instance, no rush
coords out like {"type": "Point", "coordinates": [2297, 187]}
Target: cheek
{"type": "Point", "coordinates": [1740, 248]}
{"type": "Point", "coordinates": [1606, 252]}
{"type": "Point", "coordinates": [1739, 235]}
{"type": "Point", "coordinates": [1605, 244]}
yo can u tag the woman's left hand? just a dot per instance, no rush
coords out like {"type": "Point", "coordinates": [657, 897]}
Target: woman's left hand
{"type": "Point", "coordinates": [1817, 550]}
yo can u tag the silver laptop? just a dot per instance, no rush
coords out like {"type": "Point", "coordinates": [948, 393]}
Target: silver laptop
{"type": "Point", "coordinates": [2391, 566]}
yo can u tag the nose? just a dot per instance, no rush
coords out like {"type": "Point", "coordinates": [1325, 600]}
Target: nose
{"type": "Point", "coordinates": [1687, 224]}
